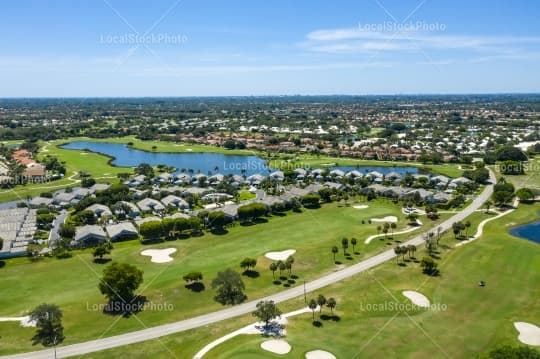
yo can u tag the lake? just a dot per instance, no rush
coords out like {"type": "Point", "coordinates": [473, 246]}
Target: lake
{"type": "Point", "coordinates": [529, 231]}
{"type": "Point", "coordinates": [125, 156]}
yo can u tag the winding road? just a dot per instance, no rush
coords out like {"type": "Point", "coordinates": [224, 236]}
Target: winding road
{"type": "Point", "coordinates": [235, 311]}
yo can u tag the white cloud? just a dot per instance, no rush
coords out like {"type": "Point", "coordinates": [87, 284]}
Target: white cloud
{"type": "Point", "coordinates": [351, 40]}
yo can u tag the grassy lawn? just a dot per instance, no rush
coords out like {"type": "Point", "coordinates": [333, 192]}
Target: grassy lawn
{"type": "Point", "coordinates": [531, 178]}
{"type": "Point", "coordinates": [72, 283]}
{"type": "Point", "coordinates": [95, 164]}
{"type": "Point", "coordinates": [470, 319]}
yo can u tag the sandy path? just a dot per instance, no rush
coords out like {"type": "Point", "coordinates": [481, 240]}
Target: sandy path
{"type": "Point", "coordinates": [528, 333]}
{"type": "Point", "coordinates": [249, 329]}
{"type": "Point", "coordinates": [159, 255]}
{"type": "Point", "coordinates": [417, 298]}
{"type": "Point", "coordinates": [480, 229]}
{"type": "Point", "coordinates": [319, 354]}
{"type": "Point", "coordinates": [280, 256]}
{"type": "Point", "coordinates": [408, 230]}
{"type": "Point", "coordinates": [390, 219]}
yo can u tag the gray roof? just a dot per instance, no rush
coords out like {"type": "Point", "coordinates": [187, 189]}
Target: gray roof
{"type": "Point", "coordinates": [89, 232]}
{"type": "Point", "coordinates": [121, 229]}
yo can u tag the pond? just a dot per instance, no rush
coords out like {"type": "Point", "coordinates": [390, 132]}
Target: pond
{"type": "Point", "coordinates": [125, 156]}
{"type": "Point", "coordinates": [530, 231]}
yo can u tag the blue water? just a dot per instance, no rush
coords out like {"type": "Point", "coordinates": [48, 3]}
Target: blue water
{"type": "Point", "coordinates": [203, 162]}
{"type": "Point", "coordinates": [529, 231]}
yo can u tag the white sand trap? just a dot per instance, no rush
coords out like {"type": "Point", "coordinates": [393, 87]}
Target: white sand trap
{"type": "Point", "coordinates": [417, 298]}
{"type": "Point", "coordinates": [25, 321]}
{"type": "Point", "coordinates": [159, 255]}
{"type": "Point", "coordinates": [361, 206]}
{"type": "Point", "coordinates": [390, 219]}
{"type": "Point", "coordinates": [189, 149]}
{"type": "Point", "coordinates": [276, 346]}
{"type": "Point", "coordinates": [320, 354]}
{"type": "Point", "coordinates": [528, 333]}
{"type": "Point", "coordinates": [280, 256]}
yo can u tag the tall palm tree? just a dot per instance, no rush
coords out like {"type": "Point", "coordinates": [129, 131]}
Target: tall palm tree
{"type": "Point", "coordinates": [397, 251]}
{"type": "Point", "coordinates": [331, 303]}
{"type": "Point", "coordinates": [321, 301]}
{"type": "Point", "coordinates": [335, 250]}
{"type": "Point", "coordinates": [312, 305]}
{"type": "Point", "coordinates": [273, 268]}
{"type": "Point", "coordinates": [393, 226]}
{"type": "Point", "coordinates": [353, 242]}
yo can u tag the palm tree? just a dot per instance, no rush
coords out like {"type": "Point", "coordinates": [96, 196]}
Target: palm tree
{"type": "Point", "coordinates": [439, 232]}
{"type": "Point", "coordinates": [288, 263]}
{"type": "Point", "coordinates": [335, 250]}
{"type": "Point", "coordinates": [353, 242]}
{"type": "Point", "coordinates": [321, 300]}
{"type": "Point", "coordinates": [331, 303]}
{"type": "Point", "coordinates": [282, 266]}
{"type": "Point", "coordinates": [411, 249]}
{"type": "Point", "coordinates": [312, 305]}
{"type": "Point", "coordinates": [467, 226]}
{"type": "Point", "coordinates": [379, 230]}
{"type": "Point", "coordinates": [393, 226]}
{"type": "Point", "coordinates": [273, 268]}
{"type": "Point", "coordinates": [385, 231]}
{"type": "Point", "coordinates": [397, 251]}
{"type": "Point", "coordinates": [344, 244]}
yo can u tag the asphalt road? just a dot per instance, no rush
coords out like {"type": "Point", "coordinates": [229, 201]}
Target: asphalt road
{"type": "Point", "coordinates": [235, 311]}
{"type": "Point", "coordinates": [54, 235]}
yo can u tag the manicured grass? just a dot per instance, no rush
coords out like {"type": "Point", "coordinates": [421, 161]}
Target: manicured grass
{"type": "Point", "coordinates": [96, 165]}
{"type": "Point", "coordinates": [470, 319]}
{"type": "Point", "coordinates": [72, 283]}
{"type": "Point", "coordinates": [246, 195]}
{"type": "Point", "coordinates": [531, 178]}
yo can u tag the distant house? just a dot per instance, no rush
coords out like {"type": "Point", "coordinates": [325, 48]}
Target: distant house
{"type": "Point", "coordinates": [64, 199]}
{"type": "Point", "coordinates": [100, 211]}
{"type": "Point", "coordinates": [277, 176]}
{"type": "Point", "coordinates": [121, 231]}
{"type": "Point", "coordinates": [99, 187]}
{"type": "Point", "coordinates": [146, 219]}
{"type": "Point", "coordinates": [40, 202]}
{"type": "Point", "coordinates": [150, 204]}
{"type": "Point", "coordinates": [165, 178]}
{"type": "Point", "coordinates": [126, 208]}
{"type": "Point", "coordinates": [89, 235]}
{"type": "Point", "coordinates": [174, 201]}
{"type": "Point", "coordinates": [255, 179]}
{"type": "Point", "coordinates": [230, 210]}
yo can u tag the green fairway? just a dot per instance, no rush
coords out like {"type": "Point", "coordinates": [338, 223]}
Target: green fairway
{"type": "Point", "coordinates": [469, 320]}
{"type": "Point", "coordinates": [72, 283]}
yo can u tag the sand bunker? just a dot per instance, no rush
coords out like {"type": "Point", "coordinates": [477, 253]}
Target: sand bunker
{"type": "Point", "coordinates": [361, 206]}
{"type": "Point", "coordinates": [417, 298]}
{"type": "Point", "coordinates": [390, 219]}
{"type": "Point", "coordinates": [276, 346]}
{"type": "Point", "coordinates": [280, 256]}
{"type": "Point", "coordinates": [528, 333]}
{"type": "Point", "coordinates": [25, 321]}
{"type": "Point", "coordinates": [159, 255]}
{"type": "Point", "coordinates": [320, 354]}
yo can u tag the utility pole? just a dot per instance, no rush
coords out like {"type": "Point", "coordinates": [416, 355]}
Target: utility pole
{"type": "Point", "coordinates": [305, 297]}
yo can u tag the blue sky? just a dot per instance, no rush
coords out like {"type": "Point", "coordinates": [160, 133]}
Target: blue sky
{"type": "Point", "coordinates": [205, 48]}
